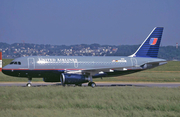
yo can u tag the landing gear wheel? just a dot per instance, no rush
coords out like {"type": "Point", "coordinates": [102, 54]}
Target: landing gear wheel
{"type": "Point", "coordinates": [28, 84]}
{"type": "Point", "coordinates": [92, 84]}
{"type": "Point", "coordinates": [89, 84]}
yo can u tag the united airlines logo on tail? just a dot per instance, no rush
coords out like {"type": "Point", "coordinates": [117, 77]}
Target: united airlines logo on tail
{"type": "Point", "coordinates": [153, 41]}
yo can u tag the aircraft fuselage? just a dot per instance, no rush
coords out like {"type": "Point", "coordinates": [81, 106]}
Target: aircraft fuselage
{"type": "Point", "coordinates": [43, 65]}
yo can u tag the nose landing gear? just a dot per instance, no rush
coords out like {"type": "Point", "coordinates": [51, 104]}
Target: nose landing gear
{"type": "Point", "coordinates": [29, 82]}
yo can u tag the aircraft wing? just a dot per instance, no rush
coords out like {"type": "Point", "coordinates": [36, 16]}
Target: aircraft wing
{"type": "Point", "coordinates": [94, 71]}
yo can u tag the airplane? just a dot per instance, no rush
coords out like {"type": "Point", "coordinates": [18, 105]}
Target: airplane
{"type": "Point", "coordinates": [82, 69]}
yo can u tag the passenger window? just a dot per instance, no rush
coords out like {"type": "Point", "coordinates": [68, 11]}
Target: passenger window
{"type": "Point", "coordinates": [19, 63]}
{"type": "Point", "coordinates": [15, 63]}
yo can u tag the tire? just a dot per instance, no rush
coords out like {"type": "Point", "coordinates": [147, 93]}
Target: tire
{"type": "Point", "coordinates": [93, 85]}
{"type": "Point", "coordinates": [29, 85]}
{"type": "Point", "coordinates": [89, 84]}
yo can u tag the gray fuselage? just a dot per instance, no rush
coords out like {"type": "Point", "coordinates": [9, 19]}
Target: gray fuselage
{"type": "Point", "coordinates": [94, 65]}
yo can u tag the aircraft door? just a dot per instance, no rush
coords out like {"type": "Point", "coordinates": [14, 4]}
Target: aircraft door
{"type": "Point", "coordinates": [134, 62]}
{"type": "Point", "coordinates": [31, 63]}
{"type": "Point", "coordinates": [76, 64]}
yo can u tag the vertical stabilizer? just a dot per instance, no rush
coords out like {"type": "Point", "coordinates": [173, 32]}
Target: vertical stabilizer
{"type": "Point", "coordinates": [150, 47]}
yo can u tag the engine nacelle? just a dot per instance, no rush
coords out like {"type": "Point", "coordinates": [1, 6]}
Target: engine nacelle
{"type": "Point", "coordinates": [73, 79]}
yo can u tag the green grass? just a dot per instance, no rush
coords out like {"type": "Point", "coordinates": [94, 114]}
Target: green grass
{"type": "Point", "coordinates": [6, 61]}
{"type": "Point", "coordinates": [86, 101]}
{"type": "Point", "coordinates": [100, 101]}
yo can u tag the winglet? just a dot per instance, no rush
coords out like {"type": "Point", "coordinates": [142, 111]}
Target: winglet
{"type": "Point", "coordinates": [150, 46]}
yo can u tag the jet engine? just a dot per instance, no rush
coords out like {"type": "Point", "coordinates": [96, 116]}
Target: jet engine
{"type": "Point", "coordinates": [73, 79]}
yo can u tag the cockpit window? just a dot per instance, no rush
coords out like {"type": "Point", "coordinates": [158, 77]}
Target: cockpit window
{"type": "Point", "coordinates": [15, 63]}
{"type": "Point", "coordinates": [12, 63]}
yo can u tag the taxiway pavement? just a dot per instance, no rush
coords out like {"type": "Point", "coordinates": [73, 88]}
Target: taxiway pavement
{"type": "Point", "coordinates": [98, 84]}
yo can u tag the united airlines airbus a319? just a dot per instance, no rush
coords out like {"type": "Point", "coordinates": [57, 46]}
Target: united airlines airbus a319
{"type": "Point", "coordinates": [82, 69]}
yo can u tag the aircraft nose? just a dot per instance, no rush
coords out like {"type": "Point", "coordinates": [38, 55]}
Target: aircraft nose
{"type": "Point", "coordinates": [5, 70]}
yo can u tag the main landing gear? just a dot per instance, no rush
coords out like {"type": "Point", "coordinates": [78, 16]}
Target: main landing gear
{"type": "Point", "coordinates": [29, 82]}
{"type": "Point", "coordinates": [92, 84]}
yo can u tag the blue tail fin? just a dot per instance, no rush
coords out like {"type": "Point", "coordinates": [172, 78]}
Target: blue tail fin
{"type": "Point", "coordinates": [150, 47]}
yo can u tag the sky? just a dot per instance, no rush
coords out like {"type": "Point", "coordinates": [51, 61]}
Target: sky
{"type": "Point", "coordinates": [70, 22]}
